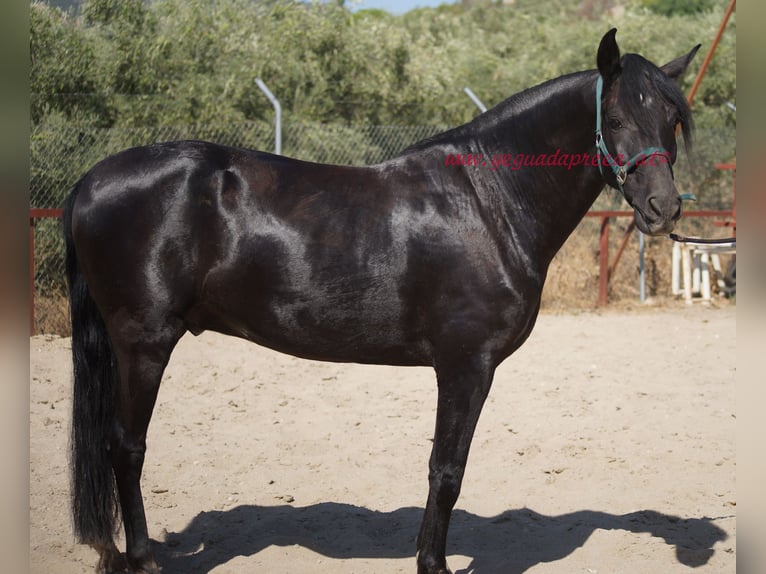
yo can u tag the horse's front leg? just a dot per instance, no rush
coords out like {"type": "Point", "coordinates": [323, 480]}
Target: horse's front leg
{"type": "Point", "coordinates": [463, 388]}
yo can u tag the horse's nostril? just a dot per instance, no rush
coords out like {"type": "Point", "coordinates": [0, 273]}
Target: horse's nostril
{"type": "Point", "coordinates": [654, 209]}
{"type": "Point", "coordinates": [655, 206]}
{"type": "Point", "coordinates": [677, 214]}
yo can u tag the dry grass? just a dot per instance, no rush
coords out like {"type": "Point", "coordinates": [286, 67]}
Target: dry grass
{"type": "Point", "coordinates": [52, 315]}
{"type": "Point", "coordinates": [573, 276]}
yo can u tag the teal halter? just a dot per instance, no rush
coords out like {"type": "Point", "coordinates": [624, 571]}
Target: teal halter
{"type": "Point", "coordinates": [620, 171]}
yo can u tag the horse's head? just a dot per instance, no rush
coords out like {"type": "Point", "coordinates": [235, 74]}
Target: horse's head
{"type": "Point", "coordinates": [641, 106]}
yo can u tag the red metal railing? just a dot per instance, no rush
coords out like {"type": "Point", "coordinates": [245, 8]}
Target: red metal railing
{"type": "Point", "coordinates": [605, 269]}
{"type": "Point", "coordinates": [733, 221]}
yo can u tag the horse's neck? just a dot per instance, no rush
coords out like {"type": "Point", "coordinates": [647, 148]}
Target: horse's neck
{"type": "Point", "coordinates": [541, 205]}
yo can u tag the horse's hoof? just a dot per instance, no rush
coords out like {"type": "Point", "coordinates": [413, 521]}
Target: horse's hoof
{"type": "Point", "coordinates": [111, 561]}
{"type": "Point", "coordinates": [434, 570]}
{"type": "Point", "coordinates": [149, 568]}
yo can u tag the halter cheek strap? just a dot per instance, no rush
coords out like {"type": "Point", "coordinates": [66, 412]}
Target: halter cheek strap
{"type": "Point", "coordinates": [621, 171]}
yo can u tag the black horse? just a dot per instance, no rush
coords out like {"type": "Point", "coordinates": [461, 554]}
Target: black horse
{"type": "Point", "coordinates": [415, 261]}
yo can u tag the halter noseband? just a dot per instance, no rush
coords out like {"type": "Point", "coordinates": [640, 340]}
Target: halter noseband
{"type": "Point", "coordinates": [621, 172]}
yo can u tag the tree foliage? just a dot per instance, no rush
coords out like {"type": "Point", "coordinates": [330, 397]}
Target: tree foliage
{"type": "Point", "coordinates": [172, 62]}
{"type": "Point", "coordinates": [679, 7]}
{"type": "Point", "coordinates": [64, 82]}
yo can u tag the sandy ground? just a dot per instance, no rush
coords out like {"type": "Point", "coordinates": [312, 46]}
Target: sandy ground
{"type": "Point", "coordinates": [607, 446]}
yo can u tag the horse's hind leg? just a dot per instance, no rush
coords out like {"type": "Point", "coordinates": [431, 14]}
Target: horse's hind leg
{"type": "Point", "coordinates": [142, 354]}
{"type": "Point", "coordinates": [463, 388]}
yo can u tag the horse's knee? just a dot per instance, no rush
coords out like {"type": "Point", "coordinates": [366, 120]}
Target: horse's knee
{"type": "Point", "coordinates": [445, 485]}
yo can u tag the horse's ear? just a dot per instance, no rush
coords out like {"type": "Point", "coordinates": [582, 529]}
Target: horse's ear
{"type": "Point", "coordinates": [608, 58]}
{"type": "Point", "coordinates": [675, 69]}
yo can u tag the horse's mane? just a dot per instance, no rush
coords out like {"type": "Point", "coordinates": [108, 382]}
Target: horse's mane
{"type": "Point", "coordinates": [637, 76]}
{"type": "Point", "coordinates": [513, 107]}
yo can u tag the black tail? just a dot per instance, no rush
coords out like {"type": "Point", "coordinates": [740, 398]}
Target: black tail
{"type": "Point", "coordinates": [94, 496]}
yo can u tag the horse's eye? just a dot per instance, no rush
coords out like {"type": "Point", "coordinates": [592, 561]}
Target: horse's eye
{"type": "Point", "coordinates": [614, 124]}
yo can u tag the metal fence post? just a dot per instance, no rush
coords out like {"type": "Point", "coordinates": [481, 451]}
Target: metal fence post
{"type": "Point", "coordinates": [278, 119]}
{"type": "Point", "coordinates": [475, 98]}
{"type": "Point", "coordinates": [603, 263]}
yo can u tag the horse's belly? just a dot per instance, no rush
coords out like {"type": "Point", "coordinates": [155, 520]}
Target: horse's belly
{"type": "Point", "coordinates": [363, 328]}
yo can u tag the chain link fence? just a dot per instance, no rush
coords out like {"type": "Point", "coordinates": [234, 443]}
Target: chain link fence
{"type": "Point", "coordinates": [61, 155]}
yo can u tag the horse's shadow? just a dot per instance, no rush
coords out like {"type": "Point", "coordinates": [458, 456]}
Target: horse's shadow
{"type": "Point", "coordinates": [511, 542]}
